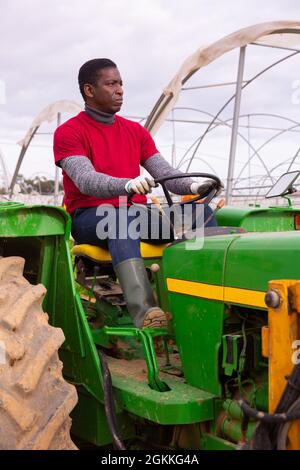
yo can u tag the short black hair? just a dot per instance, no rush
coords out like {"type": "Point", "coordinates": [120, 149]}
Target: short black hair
{"type": "Point", "coordinates": [88, 72]}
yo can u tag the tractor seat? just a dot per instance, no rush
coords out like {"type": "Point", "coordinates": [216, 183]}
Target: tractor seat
{"type": "Point", "coordinates": [102, 255]}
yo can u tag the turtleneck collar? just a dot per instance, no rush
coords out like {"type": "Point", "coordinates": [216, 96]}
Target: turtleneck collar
{"type": "Point", "coordinates": [99, 116]}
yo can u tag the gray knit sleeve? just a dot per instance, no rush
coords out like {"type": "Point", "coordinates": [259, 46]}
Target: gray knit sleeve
{"type": "Point", "coordinates": [83, 174]}
{"type": "Point", "coordinates": [158, 167]}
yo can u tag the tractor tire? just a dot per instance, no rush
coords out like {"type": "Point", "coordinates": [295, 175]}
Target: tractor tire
{"type": "Point", "coordinates": [35, 400]}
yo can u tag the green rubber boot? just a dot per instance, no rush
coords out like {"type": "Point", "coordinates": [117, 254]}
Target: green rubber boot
{"type": "Point", "coordinates": [138, 294]}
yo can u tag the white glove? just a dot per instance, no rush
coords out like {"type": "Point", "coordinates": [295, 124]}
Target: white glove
{"type": "Point", "coordinates": [205, 187]}
{"type": "Point", "coordinates": [140, 185]}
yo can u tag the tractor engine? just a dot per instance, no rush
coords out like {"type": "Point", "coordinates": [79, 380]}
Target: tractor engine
{"type": "Point", "coordinates": [230, 343]}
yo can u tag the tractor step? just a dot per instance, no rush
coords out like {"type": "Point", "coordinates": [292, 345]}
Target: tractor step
{"type": "Point", "coordinates": [181, 404]}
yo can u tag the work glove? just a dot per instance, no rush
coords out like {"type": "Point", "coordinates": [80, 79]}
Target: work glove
{"type": "Point", "coordinates": [205, 187]}
{"type": "Point", "coordinates": [140, 185]}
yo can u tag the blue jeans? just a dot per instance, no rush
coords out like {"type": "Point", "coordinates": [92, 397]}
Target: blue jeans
{"type": "Point", "coordinates": [87, 228]}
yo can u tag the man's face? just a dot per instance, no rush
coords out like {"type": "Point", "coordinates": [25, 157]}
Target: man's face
{"type": "Point", "coordinates": [107, 94]}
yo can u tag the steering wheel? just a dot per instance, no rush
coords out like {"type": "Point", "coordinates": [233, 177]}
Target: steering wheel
{"type": "Point", "coordinates": [207, 195]}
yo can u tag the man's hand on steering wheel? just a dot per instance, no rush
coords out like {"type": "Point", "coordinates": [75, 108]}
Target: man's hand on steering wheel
{"type": "Point", "coordinates": [205, 191]}
{"type": "Point", "coordinates": [204, 188]}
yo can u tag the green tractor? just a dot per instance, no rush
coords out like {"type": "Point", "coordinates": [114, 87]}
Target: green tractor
{"type": "Point", "coordinates": [225, 374]}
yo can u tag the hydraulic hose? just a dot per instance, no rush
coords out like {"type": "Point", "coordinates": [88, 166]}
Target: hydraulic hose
{"type": "Point", "coordinates": [109, 405]}
{"type": "Point", "coordinates": [273, 428]}
{"type": "Point", "coordinates": [276, 418]}
{"type": "Point", "coordinates": [284, 428]}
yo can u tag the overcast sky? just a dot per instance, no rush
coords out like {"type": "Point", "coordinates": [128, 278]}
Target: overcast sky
{"type": "Point", "coordinates": [44, 43]}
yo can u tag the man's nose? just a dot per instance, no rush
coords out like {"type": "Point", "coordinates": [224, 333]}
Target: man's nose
{"type": "Point", "coordinates": [119, 90]}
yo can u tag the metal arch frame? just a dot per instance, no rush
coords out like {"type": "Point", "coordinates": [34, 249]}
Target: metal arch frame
{"type": "Point", "coordinates": [242, 87]}
{"type": "Point", "coordinates": [263, 145]}
{"type": "Point", "coordinates": [247, 163]}
{"type": "Point", "coordinates": [220, 121]}
{"type": "Point", "coordinates": [234, 131]}
{"type": "Point", "coordinates": [20, 160]}
{"type": "Point", "coordinates": [255, 153]}
{"type": "Point", "coordinates": [297, 124]}
{"type": "Point", "coordinates": [235, 122]}
{"type": "Point", "coordinates": [232, 41]}
{"type": "Point", "coordinates": [294, 158]}
{"type": "Point", "coordinates": [202, 160]}
{"type": "Point", "coordinates": [260, 180]}
{"type": "Point", "coordinates": [59, 106]}
{"type": "Point", "coordinates": [261, 183]}
{"type": "Point", "coordinates": [270, 171]}
{"type": "Point", "coordinates": [286, 161]}
{"type": "Point", "coordinates": [212, 128]}
{"type": "Point", "coordinates": [185, 157]}
{"type": "Point", "coordinates": [5, 175]}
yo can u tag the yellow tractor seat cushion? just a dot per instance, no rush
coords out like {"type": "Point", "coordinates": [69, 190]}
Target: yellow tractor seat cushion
{"type": "Point", "coordinates": [102, 255]}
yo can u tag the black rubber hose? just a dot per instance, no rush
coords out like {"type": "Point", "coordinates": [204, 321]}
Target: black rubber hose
{"type": "Point", "coordinates": [291, 392]}
{"type": "Point", "coordinates": [109, 405]}
{"type": "Point", "coordinates": [283, 430]}
{"type": "Point", "coordinates": [276, 418]}
{"type": "Point", "coordinates": [289, 397]}
{"type": "Point", "coordinates": [266, 434]}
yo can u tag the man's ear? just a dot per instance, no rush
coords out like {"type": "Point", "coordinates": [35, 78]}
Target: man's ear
{"type": "Point", "coordinates": [88, 90]}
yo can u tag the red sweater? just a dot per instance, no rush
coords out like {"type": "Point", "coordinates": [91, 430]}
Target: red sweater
{"type": "Point", "coordinates": [115, 149]}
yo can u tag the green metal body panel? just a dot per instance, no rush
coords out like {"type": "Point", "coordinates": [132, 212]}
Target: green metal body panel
{"type": "Point", "coordinates": [232, 429]}
{"type": "Point", "coordinates": [18, 220]}
{"type": "Point", "coordinates": [258, 219]}
{"type": "Point", "coordinates": [183, 404]}
{"type": "Point", "coordinates": [197, 322]}
{"type": "Point", "coordinates": [255, 259]}
{"type": "Point", "coordinates": [247, 261]}
{"type": "Point", "coordinates": [159, 283]}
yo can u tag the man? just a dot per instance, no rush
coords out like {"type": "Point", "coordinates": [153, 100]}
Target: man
{"type": "Point", "coordinates": [100, 154]}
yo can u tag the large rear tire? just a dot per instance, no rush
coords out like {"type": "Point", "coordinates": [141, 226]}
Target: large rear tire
{"type": "Point", "coordinates": [35, 400]}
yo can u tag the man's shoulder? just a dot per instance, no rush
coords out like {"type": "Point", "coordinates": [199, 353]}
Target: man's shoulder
{"type": "Point", "coordinates": [74, 123]}
{"type": "Point", "coordinates": [128, 122]}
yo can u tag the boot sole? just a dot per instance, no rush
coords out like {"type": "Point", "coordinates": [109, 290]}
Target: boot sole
{"type": "Point", "coordinates": [155, 319]}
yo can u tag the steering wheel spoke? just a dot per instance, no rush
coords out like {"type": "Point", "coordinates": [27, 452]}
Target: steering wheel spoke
{"type": "Point", "coordinates": [205, 196]}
